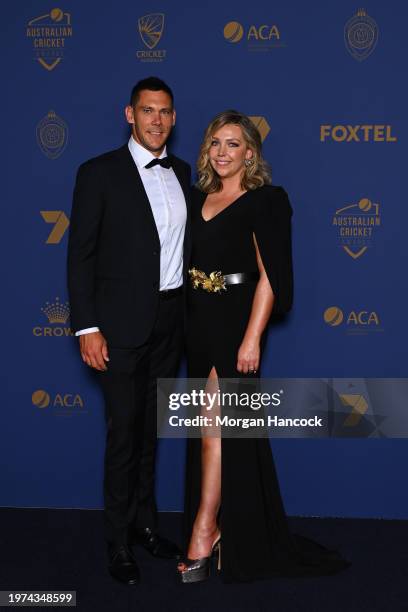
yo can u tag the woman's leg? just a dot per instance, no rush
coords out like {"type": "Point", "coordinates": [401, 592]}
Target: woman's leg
{"type": "Point", "coordinates": [205, 529]}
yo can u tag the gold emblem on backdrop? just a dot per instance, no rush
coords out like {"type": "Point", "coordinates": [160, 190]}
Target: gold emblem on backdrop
{"type": "Point", "coordinates": [358, 405]}
{"type": "Point", "coordinates": [57, 313]}
{"type": "Point", "coordinates": [261, 125]}
{"type": "Point", "coordinates": [360, 35]}
{"type": "Point", "coordinates": [357, 133]}
{"type": "Point", "coordinates": [355, 225]}
{"type": "Point", "coordinates": [49, 34]}
{"type": "Point", "coordinates": [60, 221]}
{"type": "Point", "coordinates": [233, 31]}
{"type": "Point", "coordinates": [355, 411]}
{"type": "Point", "coordinates": [333, 316]}
{"type": "Point", "coordinates": [52, 135]}
{"type": "Point", "coordinates": [40, 398]}
{"type": "Point", "coordinates": [259, 37]}
{"type": "Point", "coordinates": [63, 404]}
{"type": "Point", "coordinates": [151, 29]}
{"type": "Point", "coordinates": [355, 322]}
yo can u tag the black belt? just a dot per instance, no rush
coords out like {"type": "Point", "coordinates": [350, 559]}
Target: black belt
{"type": "Point", "coordinates": [240, 277]}
{"type": "Point", "coordinates": [216, 281]}
{"type": "Point", "coordinates": [168, 294]}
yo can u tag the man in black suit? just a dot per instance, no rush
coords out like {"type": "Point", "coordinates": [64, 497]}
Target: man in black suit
{"type": "Point", "coordinates": [127, 258]}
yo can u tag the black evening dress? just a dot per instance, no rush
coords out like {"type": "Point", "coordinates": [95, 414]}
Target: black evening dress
{"type": "Point", "coordinates": [256, 541]}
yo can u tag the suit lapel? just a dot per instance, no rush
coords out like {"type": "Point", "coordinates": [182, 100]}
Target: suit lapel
{"type": "Point", "coordinates": [134, 186]}
{"type": "Point", "coordinates": [183, 179]}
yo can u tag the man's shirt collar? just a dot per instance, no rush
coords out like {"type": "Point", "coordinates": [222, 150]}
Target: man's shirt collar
{"type": "Point", "coordinates": [141, 155]}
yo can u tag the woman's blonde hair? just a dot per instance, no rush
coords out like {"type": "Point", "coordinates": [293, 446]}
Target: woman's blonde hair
{"type": "Point", "coordinates": [256, 173]}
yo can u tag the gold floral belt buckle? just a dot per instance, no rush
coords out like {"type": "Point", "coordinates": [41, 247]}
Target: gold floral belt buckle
{"type": "Point", "coordinates": [214, 283]}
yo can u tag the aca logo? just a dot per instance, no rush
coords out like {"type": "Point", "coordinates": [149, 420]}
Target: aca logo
{"type": "Point", "coordinates": [261, 125]}
{"type": "Point", "coordinates": [355, 322]}
{"type": "Point", "coordinates": [60, 223]}
{"type": "Point", "coordinates": [57, 314]}
{"type": "Point", "coordinates": [151, 29]}
{"type": "Point", "coordinates": [360, 35]}
{"type": "Point", "coordinates": [52, 135]}
{"type": "Point", "coordinates": [61, 403]}
{"type": "Point", "coordinates": [355, 225]}
{"type": "Point", "coordinates": [49, 34]}
{"type": "Point", "coordinates": [357, 133]}
{"type": "Point", "coordinates": [260, 37]}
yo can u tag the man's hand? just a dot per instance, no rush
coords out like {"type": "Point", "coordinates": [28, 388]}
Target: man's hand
{"type": "Point", "coordinates": [94, 350]}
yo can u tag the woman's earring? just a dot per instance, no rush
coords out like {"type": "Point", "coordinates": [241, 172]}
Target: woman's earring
{"type": "Point", "coordinates": [249, 163]}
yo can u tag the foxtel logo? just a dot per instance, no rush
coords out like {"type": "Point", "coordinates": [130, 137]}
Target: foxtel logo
{"type": "Point", "coordinates": [357, 133]}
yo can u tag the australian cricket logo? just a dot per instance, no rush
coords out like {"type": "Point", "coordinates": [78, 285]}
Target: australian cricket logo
{"type": "Point", "coordinates": [49, 34]}
{"type": "Point", "coordinates": [52, 135]}
{"type": "Point", "coordinates": [356, 224]}
{"type": "Point", "coordinates": [151, 29]}
{"type": "Point", "coordinates": [360, 35]}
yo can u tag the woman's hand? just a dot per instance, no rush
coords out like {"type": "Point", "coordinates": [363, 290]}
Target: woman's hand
{"type": "Point", "coordinates": [249, 353]}
{"type": "Point", "coordinates": [248, 356]}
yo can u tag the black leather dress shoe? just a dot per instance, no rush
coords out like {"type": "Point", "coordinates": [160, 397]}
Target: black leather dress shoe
{"type": "Point", "coordinates": [123, 566]}
{"type": "Point", "coordinates": [156, 544]}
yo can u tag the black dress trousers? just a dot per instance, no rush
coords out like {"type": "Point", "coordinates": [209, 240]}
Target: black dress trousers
{"type": "Point", "coordinates": [129, 388]}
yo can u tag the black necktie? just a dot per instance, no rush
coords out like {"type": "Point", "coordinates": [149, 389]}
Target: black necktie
{"type": "Point", "coordinates": [164, 162]}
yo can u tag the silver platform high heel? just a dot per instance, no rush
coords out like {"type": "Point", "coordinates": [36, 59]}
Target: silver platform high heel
{"type": "Point", "coordinates": [198, 570]}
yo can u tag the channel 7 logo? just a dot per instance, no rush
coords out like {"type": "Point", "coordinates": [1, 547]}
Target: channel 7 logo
{"type": "Point", "coordinates": [60, 223]}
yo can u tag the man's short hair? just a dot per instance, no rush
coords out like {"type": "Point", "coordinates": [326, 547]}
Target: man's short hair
{"type": "Point", "coordinates": [152, 84]}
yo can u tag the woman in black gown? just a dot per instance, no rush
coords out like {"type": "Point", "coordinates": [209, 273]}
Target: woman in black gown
{"type": "Point", "coordinates": [240, 225]}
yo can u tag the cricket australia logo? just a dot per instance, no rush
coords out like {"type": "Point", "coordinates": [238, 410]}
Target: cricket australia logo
{"type": "Point", "coordinates": [151, 29]}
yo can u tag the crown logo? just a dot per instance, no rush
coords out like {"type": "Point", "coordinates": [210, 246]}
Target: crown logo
{"type": "Point", "coordinates": [56, 312]}
{"type": "Point", "coordinates": [361, 12]}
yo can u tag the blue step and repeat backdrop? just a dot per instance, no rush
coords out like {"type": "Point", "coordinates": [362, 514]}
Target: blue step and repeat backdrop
{"type": "Point", "coordinates": [325, 82]}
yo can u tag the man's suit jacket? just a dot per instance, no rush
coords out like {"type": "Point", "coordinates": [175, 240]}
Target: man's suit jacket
{"type": "Point", "coordinates": [114, 249]}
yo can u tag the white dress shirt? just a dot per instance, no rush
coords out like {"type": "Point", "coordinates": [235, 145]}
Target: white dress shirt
{"type": "Point", "coordinates": [169, 211]}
